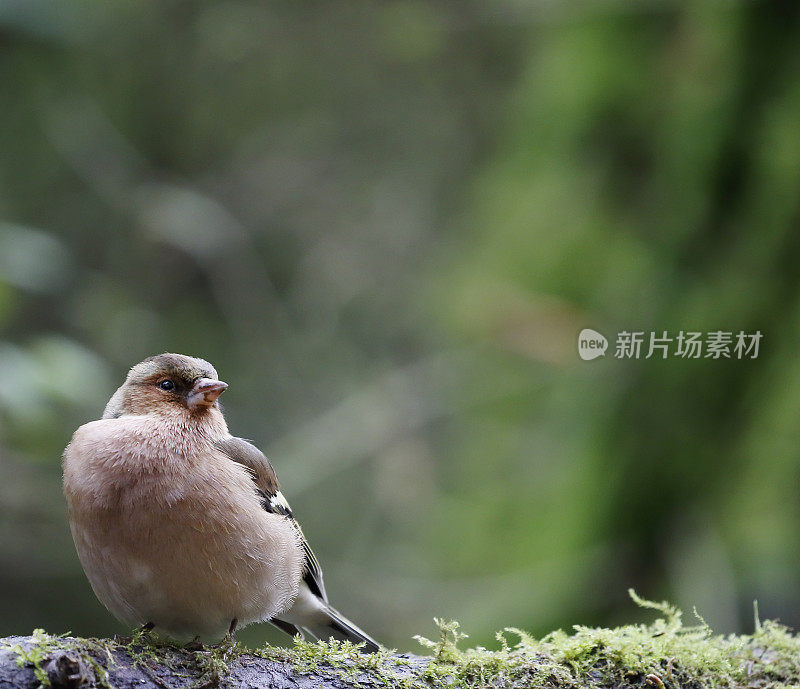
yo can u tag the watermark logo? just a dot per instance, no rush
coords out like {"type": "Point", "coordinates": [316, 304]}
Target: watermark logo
{"type": "Point", "coordinates": [716, 344]}
{"type": "Point", "coordinates": [591, 344]}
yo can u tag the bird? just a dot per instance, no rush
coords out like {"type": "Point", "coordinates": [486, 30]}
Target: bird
{"type": "Point", "coordinates": [182, 527]}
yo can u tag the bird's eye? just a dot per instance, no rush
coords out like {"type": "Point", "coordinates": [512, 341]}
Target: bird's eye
{"type": "Point", "coordinates": [166, 385]}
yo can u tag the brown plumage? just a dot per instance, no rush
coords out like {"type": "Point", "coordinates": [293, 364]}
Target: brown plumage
{"type": "Point", "coordinates": [179, 524]}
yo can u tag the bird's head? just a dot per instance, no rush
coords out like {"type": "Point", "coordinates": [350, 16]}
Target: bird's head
{"type": "Point", "coordinates": [167, 384]}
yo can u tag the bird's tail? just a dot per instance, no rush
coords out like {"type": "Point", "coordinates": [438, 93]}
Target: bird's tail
{"type": "Point", "coordinates": [327, 623]}
{"type": "Point", "coordinates": [342, 629]}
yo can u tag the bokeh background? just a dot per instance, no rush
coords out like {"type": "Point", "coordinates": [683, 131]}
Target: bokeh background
{"type": "Point", "coordinates": [385, 224]}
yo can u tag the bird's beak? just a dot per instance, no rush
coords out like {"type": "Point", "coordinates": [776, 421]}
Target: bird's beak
{"type": "Point", "coordinates": [204, 393]}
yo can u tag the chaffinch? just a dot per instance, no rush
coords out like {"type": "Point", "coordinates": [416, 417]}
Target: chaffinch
{"type": "Point", "coordinates": [181, 526]}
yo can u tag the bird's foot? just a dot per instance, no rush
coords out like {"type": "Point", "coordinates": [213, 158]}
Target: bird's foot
{"type": "Point", "coordinates": [228, 642]}
{"type": "Point", "coordinates": [227, 646]}
{"type": "Point", "coordinates": [214, 660]}
{"type": "Point", "coordinates": [139, 635]}
{"type": "Point", "coordinates": [195, 645]}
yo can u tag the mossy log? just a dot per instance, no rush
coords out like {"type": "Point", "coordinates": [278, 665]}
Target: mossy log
{"type": "Point", "coordinates": [69, 663]}
{"type": "Point", "coordinates": [662, 655]}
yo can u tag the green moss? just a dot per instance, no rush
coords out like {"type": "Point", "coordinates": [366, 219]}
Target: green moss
{"type": "Point", "coordinates": [44, 645]}
{"type": "Point", "coordinates": [664, 654]}
{"type": "Point", "coordinates": [214, 662]}
{"type": "Point", "coordinates": [339, 658]}
{"type": "Point", "coordinates": [36, 655]}
{"type": "Point", "coordinates": [205, 665]}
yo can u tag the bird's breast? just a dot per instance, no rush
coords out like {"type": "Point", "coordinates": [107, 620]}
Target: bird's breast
{"type": "Point", "coordinates": [166, 527]}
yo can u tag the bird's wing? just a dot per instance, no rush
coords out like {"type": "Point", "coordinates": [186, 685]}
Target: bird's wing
{"type": "Point", "coordinates": [311, 612]}
{"type": "Point", "coordinates": [266, 483]}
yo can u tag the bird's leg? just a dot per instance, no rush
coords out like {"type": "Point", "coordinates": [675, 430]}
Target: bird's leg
{"type": "Point", "coordinates": [147, 627]}
{"type": "Point", "coordinates": [232, 628]}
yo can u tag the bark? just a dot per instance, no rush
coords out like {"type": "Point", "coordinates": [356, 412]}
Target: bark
{"type": "Point", "coordinates": [661, 656]}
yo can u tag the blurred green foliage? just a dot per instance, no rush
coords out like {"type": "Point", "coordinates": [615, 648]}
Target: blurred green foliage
{"type": "Point", "coordinates": [385, 224]}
